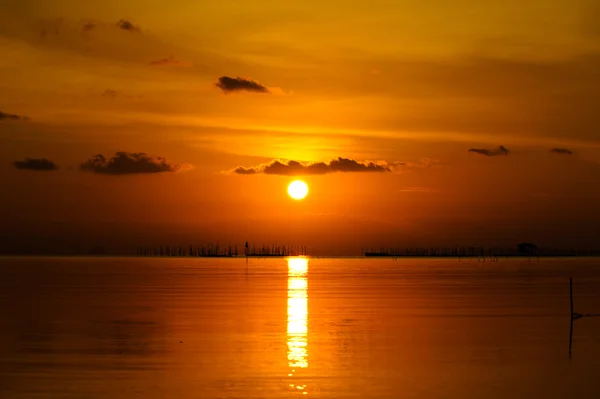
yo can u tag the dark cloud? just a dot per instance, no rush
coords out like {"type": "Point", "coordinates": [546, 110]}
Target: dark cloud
{"type": "Point", "coordinates": [110, 93]}
{"type": "Point", "coordinates": [240, 170]}
{"type": "Point", "coordinates": [52, 26]}
{"type": "Point", "coordinates": [491, 152]}
{"type": "Point", "coordinates": [294, 168]}
{"type": "Point", "coordinates": [125, 163]}
{"type": "Point", "coordinates": [89, 26]}
{"type": "Point", "coordinates": [561, 151]}
{"type": "Point", "coordinates": [40, 164]}
{"type": "Point", "coordinates": [114, 94]}
{"type": "Point", "coordinates": [127, 25]}
{"type": "Point", "coordinates": [12, 117]}
{"type": "Point", "coordinates": [591, 21]}
{"type": "Point", "coordinates": [170, 61]}
{"type": "Point", "coordinates": [65, 27]}
{"type": "Point", "coordinates": [228, 84]}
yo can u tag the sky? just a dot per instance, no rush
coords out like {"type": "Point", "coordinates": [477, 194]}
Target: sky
{"type": "Point", "coordinates": [414, 123]}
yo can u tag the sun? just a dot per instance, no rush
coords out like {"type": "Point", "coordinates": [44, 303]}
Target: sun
{"type": "Point", "coordinates": [297, 189]}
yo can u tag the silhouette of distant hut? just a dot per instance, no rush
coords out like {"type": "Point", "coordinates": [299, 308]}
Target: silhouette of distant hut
{"type": "Point", "coordinates": [527, 248]}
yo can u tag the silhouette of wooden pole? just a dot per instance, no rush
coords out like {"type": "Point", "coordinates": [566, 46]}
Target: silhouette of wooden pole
{"type": "Point", "coordinates": [570, 338]}
{"type": "Point", "coordinates": [571, 295]}
{"type": "Point", "coordinates": [572, 318]}
{"type": "Point", "coordinates": [574, 315]}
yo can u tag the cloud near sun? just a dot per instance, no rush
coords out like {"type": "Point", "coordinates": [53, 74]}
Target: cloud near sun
{"type": "Point", "coordinates": [295, 168]}
{"type": "Point", "coordinates": [62, 26]}
{"type": "Point", "coordinates": [561, 151]}
{"type": "Point", "coordinates": [229, 84]}
{"type": "Point", "coordinates": [125, 163]}
{"type": "Point", "coordinates": [490, 152]}
{"type": "Point", "coordinates": [126, 25]}
{"type": "Point", "coordinates": [12, 117]}
{"type": "Point", "coordinates": [37, 164]}
{"type": "Point", "coordinates": [170, 61]}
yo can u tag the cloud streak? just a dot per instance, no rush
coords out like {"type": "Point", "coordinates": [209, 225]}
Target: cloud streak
{"type": "Point", "coordinates": [170, 61]}
{"type": "Point", "coordinates": [295, 168]}
{"type": "Point", "coordinates": [115, 94]}
{"type": "Point", "coordinates": [127, 163]}
{"type": "Point", "coordinates": [12, 117]}
{"type": "Point", "coordinates": [228, 85]}
{"type": "Point", "coordinates": [491, 152]}
{"type": "Point", "coordinates": [414, 189]}
{"type": "Point", "coordinates": [561, 151]}
{"type": "Point", "coordinates": [110, 93]}
{"type": "Point", "coordinates": [37, 164]}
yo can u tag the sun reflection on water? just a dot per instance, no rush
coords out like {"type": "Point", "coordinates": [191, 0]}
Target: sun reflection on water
{"type": "Point", "coordinates": [297, 313]}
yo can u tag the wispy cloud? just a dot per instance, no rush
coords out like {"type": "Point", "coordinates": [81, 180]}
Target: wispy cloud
{"type": "Point", "coordinates": [63, 26]}
{"type": "Point", "coordinates": [37, 164]}
{"type": "Point", "coordinates": [125, 163]}
{"type": "Point", "coordinates": [425, 163]}
{"type": "Point", "coordinates": [491, 152]}
{"type": "Point", "coordinates": [170, 61]}
{"type": "Point", "coordinates": [295, 168]}
{"type": "Point", "coordinates": [561, 151]}
{"type": "Point", "coordinates": [228, 84]}
{"type": "Point", "coordinates": [12, 117]}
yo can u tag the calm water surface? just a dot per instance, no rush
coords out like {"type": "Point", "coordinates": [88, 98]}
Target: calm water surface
{"type": "Point", "coordinates": [284, 328]}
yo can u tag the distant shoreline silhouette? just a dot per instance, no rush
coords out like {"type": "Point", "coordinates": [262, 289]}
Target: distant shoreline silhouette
{"type": "Point", "coordinates": [525, 249]}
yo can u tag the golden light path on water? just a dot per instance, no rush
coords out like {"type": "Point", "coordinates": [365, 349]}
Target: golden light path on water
{"type": "Point", "coordinates": [297, 317]}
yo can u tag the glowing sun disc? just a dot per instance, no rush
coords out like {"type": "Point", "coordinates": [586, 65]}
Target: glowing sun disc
{"type": "Point", "coordinates": [297, 189]}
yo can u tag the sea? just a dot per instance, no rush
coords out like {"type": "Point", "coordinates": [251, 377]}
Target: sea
{"type": "Point", "coordinates": [104, 327]}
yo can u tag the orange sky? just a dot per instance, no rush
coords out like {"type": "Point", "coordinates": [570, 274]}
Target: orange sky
{"type": "Point", "coordinates": [409, 85]}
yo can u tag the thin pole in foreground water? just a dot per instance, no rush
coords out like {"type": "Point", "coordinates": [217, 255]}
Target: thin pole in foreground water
{"type": "Point", "coordinates": [575, 315]}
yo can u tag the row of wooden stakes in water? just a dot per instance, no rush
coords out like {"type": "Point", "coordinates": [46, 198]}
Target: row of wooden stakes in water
{"type": "Point", "coordinates": [213, 251]}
